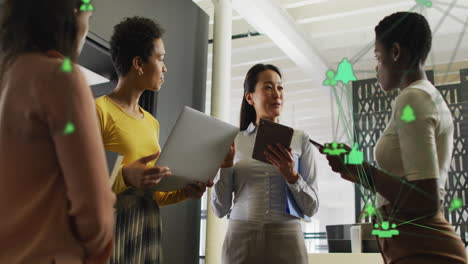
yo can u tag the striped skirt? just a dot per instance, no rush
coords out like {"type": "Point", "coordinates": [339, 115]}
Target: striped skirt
{"type": "Point", "coordinates": [137, 229]}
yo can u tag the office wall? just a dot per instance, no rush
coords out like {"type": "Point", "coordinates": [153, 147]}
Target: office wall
{"type": "Point", "coordinates": [186, 43]}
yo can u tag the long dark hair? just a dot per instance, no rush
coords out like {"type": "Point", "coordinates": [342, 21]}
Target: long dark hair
{"type": "Point", "coordinates": [37, 26]}
{"type": "Point", "coordinates": [247, 113]}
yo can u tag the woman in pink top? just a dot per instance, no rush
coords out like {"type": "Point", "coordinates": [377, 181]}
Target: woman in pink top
{"type": "Point", "coordinates": [57, 205]}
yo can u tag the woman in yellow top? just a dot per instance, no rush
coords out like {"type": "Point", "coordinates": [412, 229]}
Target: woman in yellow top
{"type": "Point", "coordinates": [138, 54]}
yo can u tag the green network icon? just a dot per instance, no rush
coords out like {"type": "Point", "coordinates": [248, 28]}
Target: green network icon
{"type": "Point", "coordinates": [408, 114]}
{"type": "Point", "coordinates": [345, 72]}
{"type": "Point", "coordinates": [86, 6]}
{"type": "Point", "coordinates": [69, 128]}
{"type": "Point", "coordinates": [370, 210]}
{"type": "Point", "coordinates": [330, 81]}
{"type": "Point", "coordinates": [456, 204]}
{"type": "Point", "coordinates": [386, 232]}
{"type": "Point", "coordinates": [67, 65]}
{"type": "Point", "coordinates": [355, 156]}
{"type": "Point", "coordinates": [424, 2]}
{"type": "Point", "coordinates": [335, 149]}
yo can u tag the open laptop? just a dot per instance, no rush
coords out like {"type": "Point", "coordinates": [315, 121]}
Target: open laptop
{"type": "Point", "coordinates": [195, 149]}
{"type": "Point", "coordinates": [114, 161]}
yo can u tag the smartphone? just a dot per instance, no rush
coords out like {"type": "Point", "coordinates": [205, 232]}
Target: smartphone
{"type": "Point", "coordinates": [316, 144]}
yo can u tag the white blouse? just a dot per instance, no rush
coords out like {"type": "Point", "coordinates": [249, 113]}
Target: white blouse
{"type": "Point", "coordinates": [419, 149]}
{"type": "Point", "coordinates": [256, 191]}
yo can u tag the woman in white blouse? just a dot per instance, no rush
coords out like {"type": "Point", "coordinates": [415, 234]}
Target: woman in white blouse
{"type": "Point", "coordinates": [413, 153]}
{"type": "Point", "coordinates": [256, 194]}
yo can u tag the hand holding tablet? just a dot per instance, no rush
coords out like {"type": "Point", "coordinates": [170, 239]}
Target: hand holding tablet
{"type": "Point", "coordinates": [269, 134]}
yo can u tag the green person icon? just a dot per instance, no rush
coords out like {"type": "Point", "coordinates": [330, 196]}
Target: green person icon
{"type": "Point", "coordinates": [330, 81]}
{"type": "Point", "coordinates": [386, 232]}
{"type": "Point", "coordinates": [334, 150]}
{"type": "Point", "coordinates": [408, 114]}
{"type": "Point", "coordinates": [67, 65]}
{"type": "Point", "coordinates": [355, 156]}
{"type": "Point", "coordinates": [376, 231]}
{"type": "Point", "coordinates": [385, 225]}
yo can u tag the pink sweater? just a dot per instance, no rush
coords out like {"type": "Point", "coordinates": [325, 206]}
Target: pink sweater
{"type": "Point", "coordinates": [55, 200]}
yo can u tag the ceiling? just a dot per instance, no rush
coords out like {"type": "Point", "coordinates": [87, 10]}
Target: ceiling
{"type": "Point", "coordinates": [335, 29]}
{"type": "Point", "coordinates": [332, 30]}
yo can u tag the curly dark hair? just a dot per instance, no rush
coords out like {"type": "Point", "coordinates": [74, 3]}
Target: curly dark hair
{"type": "Point", "coordinates": [38, 26]}
{"type": "Point", "coordinates": [410, 30]}
{"type": "Point", "coordinates": [133, 37]}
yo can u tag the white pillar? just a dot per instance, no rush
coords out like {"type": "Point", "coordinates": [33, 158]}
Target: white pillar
{"type": "Point", "coordinates": [221, 69]}
{"type": "Point", "coordinates": [220, 108]}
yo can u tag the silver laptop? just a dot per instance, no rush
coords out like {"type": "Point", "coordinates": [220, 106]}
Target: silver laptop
{"type": "Point", "coordinates": [195, 149]}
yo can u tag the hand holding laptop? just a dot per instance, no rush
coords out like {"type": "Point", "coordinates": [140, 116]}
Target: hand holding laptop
{"type": "Point", "coordinates": [196, 191]}
{"type": "Point", "coordinates": [194, 149]}
{"type": "Point", "coordinates": [228, 161]}
{"type": "Point", "coordinates": [139, 175]}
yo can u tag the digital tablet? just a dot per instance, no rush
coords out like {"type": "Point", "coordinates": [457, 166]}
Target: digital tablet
{"type": "Point", "coordinates": [270, 133]}
{"type": "Point", "coordinates": [316, 144]}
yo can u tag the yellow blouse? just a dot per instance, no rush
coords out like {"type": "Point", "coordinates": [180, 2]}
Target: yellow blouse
{"type": "Point", "coordinates": [134, 138]}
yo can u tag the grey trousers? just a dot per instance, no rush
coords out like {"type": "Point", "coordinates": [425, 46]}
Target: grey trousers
{"type": "Point", "coordinates": [274, 243]}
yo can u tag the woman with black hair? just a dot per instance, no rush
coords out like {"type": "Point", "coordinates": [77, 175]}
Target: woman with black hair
{"type": "Point", "coordinates": [260, 228]}
{"type": "Point", "coordinates": [56, 203]}
{"type": "Point", "coordinates": [413, 153]}
{"type": "Point", "coordinates": [138, 54]}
